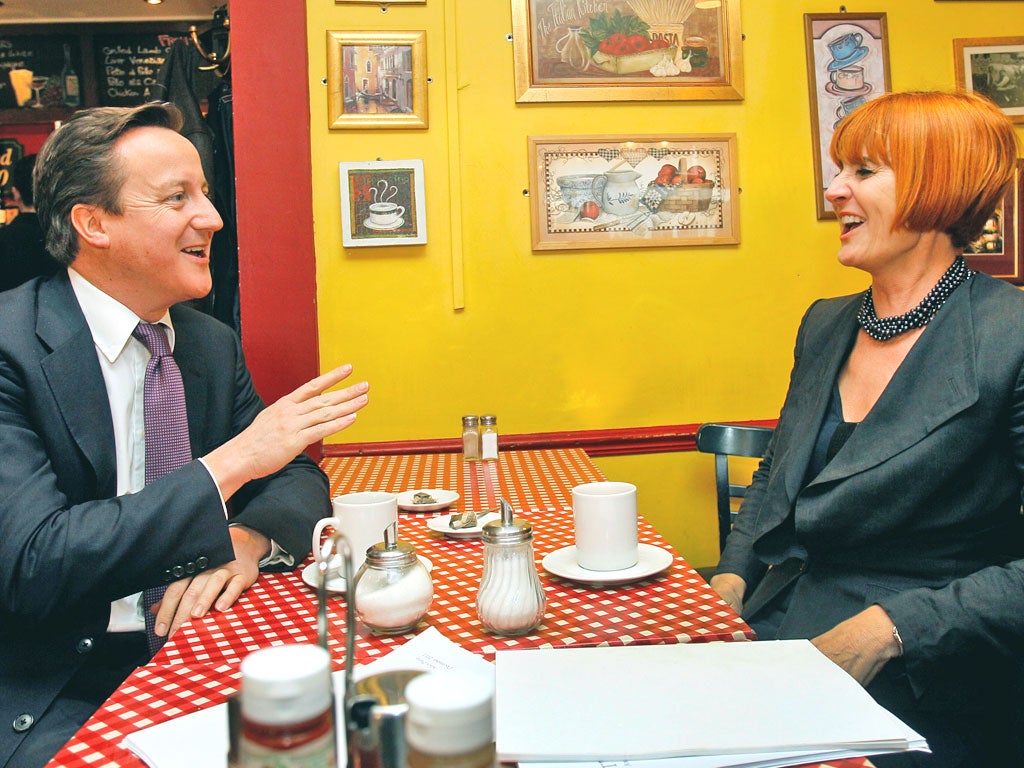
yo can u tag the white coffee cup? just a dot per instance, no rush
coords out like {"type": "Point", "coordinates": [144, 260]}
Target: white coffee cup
{"type": "Point", "coordinates": [362, 517]}
{"type": "Point", "coordinates": [604, 515]}
{"type": "Point", "coordinates": [386, 214]}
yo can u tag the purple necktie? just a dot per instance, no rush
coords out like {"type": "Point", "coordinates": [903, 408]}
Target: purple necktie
{"type": "Point", "coordinates": [167, 446]}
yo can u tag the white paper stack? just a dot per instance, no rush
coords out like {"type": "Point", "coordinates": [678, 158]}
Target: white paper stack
{"type": "Point", "coordinates": [687, 706]}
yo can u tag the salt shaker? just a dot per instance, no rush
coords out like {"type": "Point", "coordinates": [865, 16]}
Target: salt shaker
{"type": "Point", "coordinates": [471, 438]}
{"type": "Point", "coordinates": [393, 588]}
{"type": "Point", "coordinates": [511, 599]}
{"type": "Point", "coordinates": [489, 438]}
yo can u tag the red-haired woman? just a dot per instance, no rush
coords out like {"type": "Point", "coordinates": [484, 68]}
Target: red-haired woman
{"type": "Point", "coordinates": [889, 501]}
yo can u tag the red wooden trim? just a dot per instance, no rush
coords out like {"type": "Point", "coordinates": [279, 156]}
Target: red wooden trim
{"type": "Point", "coordinates": [274, 192]}
{"type": "Point", "coordinates": [597, 442]}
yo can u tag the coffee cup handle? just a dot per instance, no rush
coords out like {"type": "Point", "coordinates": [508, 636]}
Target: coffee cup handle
{"type": "Point", "coordinates": [318, 530]}
{"type": "Point", "coordinates": [832, 76]}
{"type": "Point", "coordinates": [858, 37]}
{"type": "Point", "coordinates": [401, 211]}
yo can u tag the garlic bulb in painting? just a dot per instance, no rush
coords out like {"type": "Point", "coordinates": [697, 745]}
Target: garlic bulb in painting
{"type": "Point", "coordinates": [664, 68]}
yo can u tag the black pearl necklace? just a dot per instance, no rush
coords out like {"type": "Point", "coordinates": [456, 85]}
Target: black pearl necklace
{"type": "Point", "coordinates": [885, 328]}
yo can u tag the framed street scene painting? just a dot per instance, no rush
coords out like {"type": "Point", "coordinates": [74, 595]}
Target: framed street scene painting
{"type": "Point", "coordinates": [993, 67]}
{"type": "Point", "coordinates": [633, 191]}
{"type": "Point", "coordinates": [376, 80]}
{"type": "Point", "coordinates": [627, 50]}
{"type": "Point", "coordinates": [998, 251]}
{"type": "Point", "coordinates": [382, 203]}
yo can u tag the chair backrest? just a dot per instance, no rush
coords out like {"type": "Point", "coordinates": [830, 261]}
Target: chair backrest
{"type": "Point", "coordinates": [725, 440]}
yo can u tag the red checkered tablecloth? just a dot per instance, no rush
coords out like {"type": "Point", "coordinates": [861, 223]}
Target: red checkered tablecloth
{"type": "Point", "coordinates": [198, 666]}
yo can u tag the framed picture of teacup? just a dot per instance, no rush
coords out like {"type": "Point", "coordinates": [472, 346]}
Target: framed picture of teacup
{"type": "Point", "coordinates": [847, 64]}
{"type": "Point", "coordinates": [376, 80]}
{"type": "Point", "coordinates": [627, 50]}
{"type": "Point", "coordinates": [993, 67]}
{"type": "Point", "coordinates": [998, 251]}
{"type": "Point", "coordinates": [382, 203]}
{"type": "Point", "coordinates": [633, 191]}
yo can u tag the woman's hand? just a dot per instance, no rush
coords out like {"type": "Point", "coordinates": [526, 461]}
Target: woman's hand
{"type": "Point", "coordinates": [730, 588]}
{"type": "Point", "coordinates": [862, 644]}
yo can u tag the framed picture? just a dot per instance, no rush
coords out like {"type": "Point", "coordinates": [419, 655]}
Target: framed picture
{"type": "Point", "coordinates": [627, 50]}
{"type": "Point", "coordinates": [993, 67]}
{"type": "Point", "coordinates": [998, 251]}
{"type": "Point", "coordinates": [633, 191]}
{"type": "Point", "coordinates": [847, 64]}
{"type": "Point", "coordinates": [376, 79]}
{"type": "Point", "coordinates": [382, 203]}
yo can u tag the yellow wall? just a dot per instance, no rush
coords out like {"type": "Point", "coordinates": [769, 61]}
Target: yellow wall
{"type": "Point", "coordinates": [591, 339]}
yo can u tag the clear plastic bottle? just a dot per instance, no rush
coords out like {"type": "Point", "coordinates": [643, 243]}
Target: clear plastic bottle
{"type": "Point", "coordinates": [450, 720]}
{"type": "Point", "coordinates": [471, 438]}
{"type": "Point", "coordinates": [287, 709]}
{"type": "Point", "coordinates": [489, 438]}
{"type": "Point", "coordinates": [511, 599]}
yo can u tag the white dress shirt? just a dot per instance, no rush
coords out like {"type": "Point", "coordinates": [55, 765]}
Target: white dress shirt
{"type": "Point", "coordinates": [123, 360]}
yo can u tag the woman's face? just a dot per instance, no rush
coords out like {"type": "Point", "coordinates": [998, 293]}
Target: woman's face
{"type": "Point", "coordinates": [864, 199]}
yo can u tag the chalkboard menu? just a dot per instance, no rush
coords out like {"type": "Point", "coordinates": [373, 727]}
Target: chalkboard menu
{"type": "Point", "coordinates": [39, 71]}
{"type": "Point", "coordinates": [127, 66]}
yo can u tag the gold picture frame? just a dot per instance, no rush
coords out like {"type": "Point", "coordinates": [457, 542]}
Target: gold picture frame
{"type": "Point", "coordinates": [993, 67]}
{"type": "Point", "coordinates": [376, 80]}
{"type": "Point", "coordinates": [630, 191]}
{"type": "Point", "coordinates": [847, 64]}
{"type": "Point", "coordinates": [675, 50]}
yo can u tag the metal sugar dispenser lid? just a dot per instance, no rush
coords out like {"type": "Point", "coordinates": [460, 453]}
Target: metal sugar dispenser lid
{"type": "Point", "coordinates": [507, 530]}
{"type": "Point", "coordinates": [391, 553]}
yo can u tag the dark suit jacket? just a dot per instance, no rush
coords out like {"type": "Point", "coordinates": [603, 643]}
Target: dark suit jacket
{"type": "Point", "coordinates": [68, 545]}
{"type": "Point", "coordinates": [920, 511]}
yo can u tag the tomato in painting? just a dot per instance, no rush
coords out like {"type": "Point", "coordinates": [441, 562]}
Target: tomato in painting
{"type": "Point", "coordinates": [589, 210]}
{"type": "Point", "coordinates": [637, 43]}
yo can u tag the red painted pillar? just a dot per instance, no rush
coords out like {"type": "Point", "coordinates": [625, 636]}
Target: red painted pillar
{"type": "Point", "coordinates": [277, 264]}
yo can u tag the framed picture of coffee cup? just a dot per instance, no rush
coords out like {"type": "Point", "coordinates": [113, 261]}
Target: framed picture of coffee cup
{"type": "Point", "coordinates": [376, 80]}
{"type": "Point", "coordinates": [633, 191]}
{"type": "Point", "coordinates": [998, 251]}
{"type": "Point", "coordinates": [847, 64]}
{"type": "Point", "coordinates": [382, 203]}
{"type": "Point", "coordinates": [993, 67]}
{"type": "Point", "coordinates": [627, 50]}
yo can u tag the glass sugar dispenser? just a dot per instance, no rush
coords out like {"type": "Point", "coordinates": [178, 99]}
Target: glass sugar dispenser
{"type": "Point", "coordinates": [393, 587]}
{"type": "Point", "coordinates": [511, 600]}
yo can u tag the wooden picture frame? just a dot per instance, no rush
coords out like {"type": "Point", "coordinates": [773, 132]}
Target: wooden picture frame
{"type": "Point", "coordinates": [383, 202]}
{"type": "Point", "coordinates": [847, 64]}
{"type": "Point", "coordinates": [998, 251]}
{"type": "Point", "coordinates": [376, 80]}
{"type": "Point", "coordinates": [993, 67]}
{"type": "Point", "coordinates": [569, 52]}
{"type": "Point", "coordinates": [633, 191]}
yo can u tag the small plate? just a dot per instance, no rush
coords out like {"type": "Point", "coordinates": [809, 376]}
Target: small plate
{"type": "Point", "coordinates": [336, 584]}
{"type": "Point", "coordinates": [439, 524]}
{"type": "Point", "coordinates": [562, 562]}
{"type": "Point", "coordinates": [444, 500]}
{"type": "Point", "coordinates": [383, 227]}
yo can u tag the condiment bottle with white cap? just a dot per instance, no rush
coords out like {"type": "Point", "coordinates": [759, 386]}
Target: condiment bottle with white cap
{"type": "Point", "coordinates": [511, 599]}
{"type": "Point", "coordinates": [450, 722]}
{"type": "Point", "coordinates": [287, 709]}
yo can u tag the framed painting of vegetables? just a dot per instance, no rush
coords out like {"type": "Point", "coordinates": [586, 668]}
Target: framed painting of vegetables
{"type": "Point", "coordinates": [627, 50]}
{"type": "Point", "coordinates": [633, 191]}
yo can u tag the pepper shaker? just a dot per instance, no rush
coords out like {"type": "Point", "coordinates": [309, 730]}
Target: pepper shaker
{"type": "Point", "coordinates": [393, 588]}
{"type": "Point", "coordinates": [511, 600]}
{"type": "Point", "coordinates": [471, 438]}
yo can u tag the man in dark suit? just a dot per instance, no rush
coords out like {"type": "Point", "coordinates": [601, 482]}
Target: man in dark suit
{"type": "Point", "coordinates": [122, 199]}
{"type": "Point", "coordinates": [22, 253]}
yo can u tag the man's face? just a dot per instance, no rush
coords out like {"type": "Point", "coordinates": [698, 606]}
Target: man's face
{"type": "Point", "coordinates": [159, 250]}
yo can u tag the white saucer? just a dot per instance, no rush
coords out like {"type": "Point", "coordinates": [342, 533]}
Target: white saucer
{"type": "Point", "coordinates": [835, 90]}
{"type": "Point", "coordinates": [370, 225]}
{"type": "Point", "coordinates": [562, 562]}
{"type": "Point", "coordinates": [336, 584]}
{"type": "Point", "coordinates": [444, 499]}
{"type": "Point", "coordinates": [440, 524]}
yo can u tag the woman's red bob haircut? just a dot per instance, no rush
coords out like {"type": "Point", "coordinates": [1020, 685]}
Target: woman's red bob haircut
{"type": "Point", "coordinates": [953, 156]}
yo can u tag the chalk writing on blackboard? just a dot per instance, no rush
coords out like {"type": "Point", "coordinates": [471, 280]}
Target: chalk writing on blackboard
{"type": "Point", "coordinates": [39, 71]}
{"type": "Point", "coordinates": [127, 66]}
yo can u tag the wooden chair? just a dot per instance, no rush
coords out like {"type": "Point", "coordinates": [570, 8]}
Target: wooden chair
{"type": "Point", "coordinates": [725, 440]}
